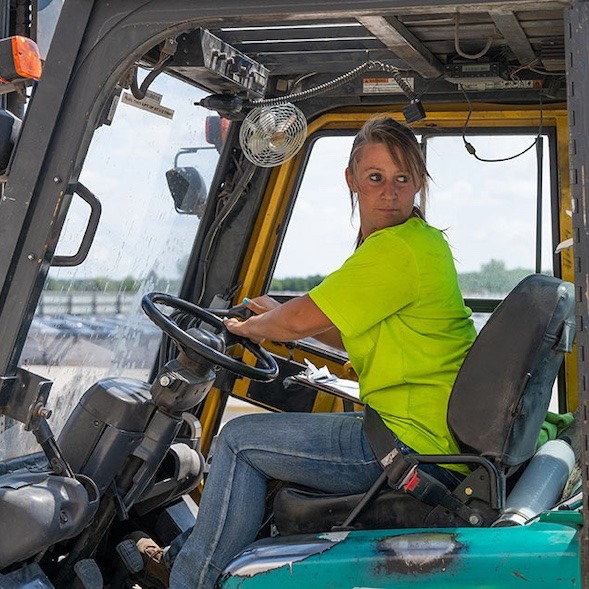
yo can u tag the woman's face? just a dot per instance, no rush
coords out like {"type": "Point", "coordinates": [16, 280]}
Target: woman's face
{"type": "Point", "coordinates": [386, 191]}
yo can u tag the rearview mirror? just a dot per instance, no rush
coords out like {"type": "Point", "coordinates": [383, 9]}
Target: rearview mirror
{"type": "Point", "coordinates": [188, 189]}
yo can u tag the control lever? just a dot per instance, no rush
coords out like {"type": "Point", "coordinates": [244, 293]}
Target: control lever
{"type": "Point", "coordinates": [238, 311]}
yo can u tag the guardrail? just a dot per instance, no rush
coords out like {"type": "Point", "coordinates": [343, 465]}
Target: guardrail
{"type": "Point", "coordinates": [86, 303]}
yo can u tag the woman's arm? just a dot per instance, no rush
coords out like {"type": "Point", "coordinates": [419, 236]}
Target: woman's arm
{"type": "Point", "coordinates": [298, 318]}
{"type": "Point", "coordinates": [332, 337]}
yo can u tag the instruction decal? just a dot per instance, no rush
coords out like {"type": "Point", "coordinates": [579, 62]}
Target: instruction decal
{"type": "Point", "coordinates": [151, 103]}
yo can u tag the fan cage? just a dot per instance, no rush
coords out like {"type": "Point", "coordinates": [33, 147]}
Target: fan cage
{"type": "Point", "coordinates": [271, 135]}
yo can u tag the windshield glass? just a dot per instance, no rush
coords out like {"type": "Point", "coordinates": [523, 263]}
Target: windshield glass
{"type": "Point", "coordinates": [89, 323]}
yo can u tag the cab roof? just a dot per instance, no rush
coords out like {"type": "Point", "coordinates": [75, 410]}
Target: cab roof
{"type": "Point", "coordinates": [482, 46]}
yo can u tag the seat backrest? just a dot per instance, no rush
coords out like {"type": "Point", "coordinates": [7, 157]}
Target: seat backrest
{"type": "Point", "coordinates": [503, 389]}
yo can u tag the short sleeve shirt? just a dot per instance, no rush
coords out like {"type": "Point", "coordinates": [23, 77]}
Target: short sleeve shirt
{"type": "Point", "coordinates": [403, 321]}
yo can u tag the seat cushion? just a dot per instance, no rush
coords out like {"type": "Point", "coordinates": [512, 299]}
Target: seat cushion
{"type": "Point", "coordinates": [305, 511]}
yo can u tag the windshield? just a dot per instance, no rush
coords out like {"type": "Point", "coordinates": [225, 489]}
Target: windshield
{"type": "Point", "coordinates": [89, 322]}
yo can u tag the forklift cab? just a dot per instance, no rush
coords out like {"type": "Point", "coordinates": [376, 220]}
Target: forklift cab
{"type": "Point", "coordinates": [172, 160]}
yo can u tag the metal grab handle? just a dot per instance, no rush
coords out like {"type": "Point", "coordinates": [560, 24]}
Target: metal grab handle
{"type": "Point", "coordinates": [95, 211]}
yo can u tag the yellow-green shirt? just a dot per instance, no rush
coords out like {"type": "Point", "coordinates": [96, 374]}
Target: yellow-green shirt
{"type": "Point", "coordinates": [398, 306]}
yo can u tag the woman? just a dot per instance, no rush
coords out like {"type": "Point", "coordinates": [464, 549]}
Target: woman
{"type": "Point", "coordinates": [396, 308]}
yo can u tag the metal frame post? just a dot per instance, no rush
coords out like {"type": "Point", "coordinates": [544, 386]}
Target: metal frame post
{"type": "Point", "coordinates": [577, 54]}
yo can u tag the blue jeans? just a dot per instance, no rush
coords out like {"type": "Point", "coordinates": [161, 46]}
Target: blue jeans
{"type": "Point", "coordinates": [328, 452]}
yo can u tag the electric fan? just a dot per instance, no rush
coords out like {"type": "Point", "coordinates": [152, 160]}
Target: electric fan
{"type": "Point", "coordinates": [271, 135]}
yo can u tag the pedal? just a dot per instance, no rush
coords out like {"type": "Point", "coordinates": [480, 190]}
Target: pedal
{"type": "Point", "coordinates": [89, 574]}
{"type": "Point", "coordinates": [130, 555]}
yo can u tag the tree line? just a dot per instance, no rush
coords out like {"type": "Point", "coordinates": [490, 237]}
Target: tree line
{"type": "Point", "coordinates": [493, 277]}
{"type": "Point", "coordinates": [104, 284]}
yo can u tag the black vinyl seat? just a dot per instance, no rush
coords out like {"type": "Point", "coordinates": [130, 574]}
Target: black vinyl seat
{"type": "Point", "coordinates": [496, 410]}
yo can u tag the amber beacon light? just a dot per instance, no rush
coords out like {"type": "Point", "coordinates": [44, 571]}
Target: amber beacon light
{"type": "Point", "coordinates": [19, 59]}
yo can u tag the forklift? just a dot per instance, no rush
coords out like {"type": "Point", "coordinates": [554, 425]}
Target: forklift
{"type": "Point", "coordinates": [162, 160]}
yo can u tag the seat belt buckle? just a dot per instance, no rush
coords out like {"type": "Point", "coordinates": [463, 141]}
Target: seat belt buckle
{"type": "Point", "coordinates": [411, 480]}
{"type": "Point", "coordinates": [424, 487]}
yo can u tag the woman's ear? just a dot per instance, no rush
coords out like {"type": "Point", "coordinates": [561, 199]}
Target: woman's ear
{"type": "Point", "coordinates": [350, 181]}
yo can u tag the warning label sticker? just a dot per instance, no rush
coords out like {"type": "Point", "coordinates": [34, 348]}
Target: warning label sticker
{"type": "Point", "coordinates": [384, 85]}
{"type": "Point", "coordinates": [151, 103]}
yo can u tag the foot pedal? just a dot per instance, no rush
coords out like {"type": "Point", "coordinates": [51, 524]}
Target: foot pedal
{"type": "Point", "coordinates": [89, 574]}
{"type": "Point", "coordinates": [130, 555]}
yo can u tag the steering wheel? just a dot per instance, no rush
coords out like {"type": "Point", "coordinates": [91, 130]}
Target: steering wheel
{"type": "Point", "coordinates": [268, 370]}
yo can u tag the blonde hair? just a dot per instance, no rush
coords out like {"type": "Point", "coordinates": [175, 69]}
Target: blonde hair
{"type": "Point", "coordinates": [401, 143]}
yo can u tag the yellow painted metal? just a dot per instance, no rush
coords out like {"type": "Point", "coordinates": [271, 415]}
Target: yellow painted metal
{"type": "Point", "coordinates": [566, 255]}
{"type": "Point", "coordinates": [208, 418]}
{"type": "Point", "coordinates": [242, 384]}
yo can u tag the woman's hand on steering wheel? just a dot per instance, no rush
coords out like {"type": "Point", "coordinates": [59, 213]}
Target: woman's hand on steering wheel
{"type": "Point", "coordinates": [240, 328]}
{"type": "Point", "coordinates": [258, 306]}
